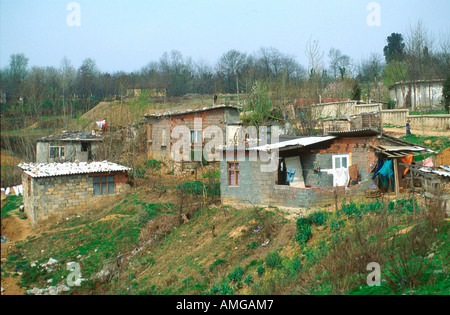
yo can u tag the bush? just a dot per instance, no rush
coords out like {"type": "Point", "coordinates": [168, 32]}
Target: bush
{"type": "Point", "coordinates": [303, 231]}
{"type": "Point", "coordinates": [216, 263]}
{"type": "Point", "coordinates": [252, 245]}
{"type": "Point", "coordinates": [260, 270]}
{"type": "Point", "coordinates": [155, 164]}
{"type": "Point", "coordinates": [221, 289]}
{"type": "Point", "coordinates": [273, 260]}
{"type": "Point", "coordinates": [248, 280]}
{"type": "Point", "coordinates": [318, 218]}
{"type": "Point", "coordinates": [236, 275]}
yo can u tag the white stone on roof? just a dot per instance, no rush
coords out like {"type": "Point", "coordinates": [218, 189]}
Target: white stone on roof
{"type": "Point", "coordinates": [59, 169]}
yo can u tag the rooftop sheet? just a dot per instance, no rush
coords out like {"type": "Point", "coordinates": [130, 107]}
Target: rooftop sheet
{"type": "Point", "coordinates": [59, 169]}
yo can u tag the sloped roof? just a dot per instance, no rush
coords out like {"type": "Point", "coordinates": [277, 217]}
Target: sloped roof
{"type": "Point", "coordinates": [298, 142]}
{"type": "Point", "coordinates": [59, 169]}
{"type": "Point", "coordinates": [72, 136]}
{"type": "Point", "coordinates": [189, 111]}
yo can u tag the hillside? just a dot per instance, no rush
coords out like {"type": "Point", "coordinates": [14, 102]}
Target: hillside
{"type": "Point", "coordinates": [139, 244]}
{"type": "Point", "coordinates": [164, 238]}
{"type": "Point", "coordinates": [132, 110]}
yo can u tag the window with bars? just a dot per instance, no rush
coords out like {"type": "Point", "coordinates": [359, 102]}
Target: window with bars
{"type": "Point", "coordinates": [56, 151]}
{"type": "Point", "coordinates": [104, 185]}
{"type": "Point", "coordinates": [233, 174]}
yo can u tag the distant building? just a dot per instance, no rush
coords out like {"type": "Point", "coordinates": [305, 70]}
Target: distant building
{"type": "Point", "coordinates": [58, 189]}
{"type": "Point", "coordinates": [160, 127]}
{"type": "Point", "coordinates": [423, 94]}
{"type": "Point", "coordinates": [68, 147]}
{"type": "Point", "coordinates": [370, 120]}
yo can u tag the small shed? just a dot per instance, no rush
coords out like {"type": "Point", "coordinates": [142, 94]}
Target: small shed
{"type": "Point", "coordinates": [56, 189]}
{"type": "Point", "coordinates": [68, 147]}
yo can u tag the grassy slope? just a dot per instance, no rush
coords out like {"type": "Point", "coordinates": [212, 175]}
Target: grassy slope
{"type": "Point", "coordinates": [220, 251]}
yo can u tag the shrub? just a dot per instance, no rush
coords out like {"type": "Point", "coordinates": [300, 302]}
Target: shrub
{"type": "Point", "coordinates": [318, 218]}
{"type": "Point", "coordinates": [303, 231]}
{"type": "Point", "coordinates": [248, 280]}
{"type": "Point", "coordinates": [236, 275]}
{"type": "Point", "coordinates": [260, 270]}
{"type": "Point", "coordinates": [216, 263]}
{"type": "Point", "coordinates": [252, 245]}
{"type": "Point", "coordinates": [221, 289]}
{"type": "Point", "coordinates": [155, 164]}
{"type": "Point", "coordinates": [273, 260]}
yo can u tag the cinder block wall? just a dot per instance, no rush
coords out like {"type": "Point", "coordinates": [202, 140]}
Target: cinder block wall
{"type": "Point", "coordinates": [61, 195]}
{"type": "Point", "coordinates": [259, 189]}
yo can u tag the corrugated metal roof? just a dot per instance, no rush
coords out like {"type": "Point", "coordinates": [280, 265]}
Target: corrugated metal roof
{"type": "Point", "coordinates": [402, 148]}
{"type": "Point", "coordinates": [299, 142]}
{"type": "Point", "coordinates": [362, 132]}
{"type": "Point", "coordinates": [60, 169]}
{"type": "Point", "coordinates": [445, 170]}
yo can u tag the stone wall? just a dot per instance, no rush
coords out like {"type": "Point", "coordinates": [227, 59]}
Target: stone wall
{"type": "Point", "coordinates": [398, 117]}
{"type": "Point", "coordinates": [48, 197]}
{"type": "Point", "coordinates": [420, 94]}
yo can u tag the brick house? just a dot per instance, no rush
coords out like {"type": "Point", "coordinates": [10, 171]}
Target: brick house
{"type": "Point", "coordinates": [308, 170]}
{"type": "Point", "coordinates": [68, 147]}
{"type": "Point", "coordinates": [56, 189]}
{"type": "Point", "coordinates": [160, 127]}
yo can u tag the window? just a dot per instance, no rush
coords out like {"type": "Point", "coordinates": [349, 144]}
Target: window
{"type": "Point", "coordinates": [164, 138]}
{"type": "Point", "coordinates": [196, 136]}
{"type": "Point", "coordinates": [340, 174]}
{"type": "Point", "coordinates": [56, 152]}
{"type": "Point", "coordinates": [340, 161]}
{"type": "Point", "coordinates": [104, 185]}
{"type": "Point", "coordinates": [233, 174]}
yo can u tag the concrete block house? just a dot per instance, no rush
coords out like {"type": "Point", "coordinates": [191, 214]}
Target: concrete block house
{"type": "Point", "coordinates": [68, 147]}
{"type": "Point", "coordinates": [57, 189]}
{"type": "Point", "coordinates": [310, 169]}
{"type": "Point", "coordinates": [160, 127]}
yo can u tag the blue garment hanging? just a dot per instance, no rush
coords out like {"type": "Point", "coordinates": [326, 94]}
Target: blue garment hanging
{"type": "Point", "coordinates": [290, 173]}
{"type": "Point", "coordinates": [386, 173]}
{"type": "Point", "coordinates": [379, 166]}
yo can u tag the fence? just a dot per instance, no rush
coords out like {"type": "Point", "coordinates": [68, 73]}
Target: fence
{"type": "Point", "coordinates": [393, 117]}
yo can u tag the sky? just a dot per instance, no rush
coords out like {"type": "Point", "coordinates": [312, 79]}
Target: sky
{"type": "Point", "coordinates": [125, 35]}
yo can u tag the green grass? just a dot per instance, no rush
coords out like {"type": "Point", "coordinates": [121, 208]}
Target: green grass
{"type": "Point", "coordinates": [219, 251]}
{"type": "Point", "coordinates": [435, 143]}
{"type": "Point", "coordinates": [12, 202]}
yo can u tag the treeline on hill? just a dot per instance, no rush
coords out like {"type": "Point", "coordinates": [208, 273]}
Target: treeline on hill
{"type": "Point", "coordinates": [65, 90]}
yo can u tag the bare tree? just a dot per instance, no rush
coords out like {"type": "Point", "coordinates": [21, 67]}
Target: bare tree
{"type": "Point", "coordinates": [67, 77]}
{"type": "Point", "coordinates": [419, 47]}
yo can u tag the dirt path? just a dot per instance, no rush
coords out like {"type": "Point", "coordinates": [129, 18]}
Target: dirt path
{"type": "Point", "coordinates": [16, 229]}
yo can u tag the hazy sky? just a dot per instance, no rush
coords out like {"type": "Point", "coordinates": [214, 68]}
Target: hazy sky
{"type": "Point", "coordinates": [128, 34]}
